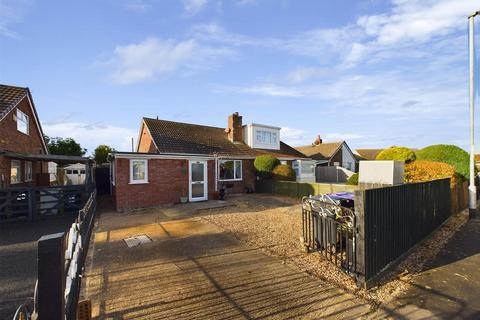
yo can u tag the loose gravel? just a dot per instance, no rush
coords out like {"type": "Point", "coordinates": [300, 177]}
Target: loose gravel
{"type": "Point", "coordinates": [274, 224]}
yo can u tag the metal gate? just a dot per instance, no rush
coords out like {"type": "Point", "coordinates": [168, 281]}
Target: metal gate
{"type": "Point", "coordinates": [330, 229]}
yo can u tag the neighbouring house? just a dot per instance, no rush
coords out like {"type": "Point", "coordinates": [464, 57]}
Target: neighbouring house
{"type": "Point", "coordinates": [367, 154]}
{"type": "Point", "coordinates": [180, 160]}
{"type": "Point", "coordinates": [21, 136]}
{"type": "Point", "coordinates": [328, 154]}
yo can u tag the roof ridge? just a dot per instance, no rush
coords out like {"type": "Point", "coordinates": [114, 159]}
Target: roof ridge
{"type": "Point", "coordinates": [8, 85]}
{"type": "Point", "coordinates": [184, 123]}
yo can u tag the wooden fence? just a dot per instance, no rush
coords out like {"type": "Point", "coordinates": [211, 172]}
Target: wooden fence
{"type": "Point", "coordinates": [30, 203]}
{"type": "Point", "coordinates": [298, 189]}
{"type": "Point", "coordinates": [392, 220]}
{"type": "Point", "coordinates": [459, 196]}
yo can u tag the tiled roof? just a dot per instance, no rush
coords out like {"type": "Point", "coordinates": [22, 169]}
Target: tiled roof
{"type": "Point", "coordinates": [322, 151]}
{"type": "Point", "coordinates": [367, 154]}
{"type": "Point", "coordinates": [186, 138]}
{"type": "Point", "coordinates": [9, 97]}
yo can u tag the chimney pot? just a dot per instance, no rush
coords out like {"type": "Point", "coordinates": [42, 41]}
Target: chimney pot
{"type": "Point", "coordinates": [318, 141]}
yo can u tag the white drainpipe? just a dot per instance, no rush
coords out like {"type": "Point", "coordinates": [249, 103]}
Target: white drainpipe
{"type": "Point", "coordinates": [216, 171]}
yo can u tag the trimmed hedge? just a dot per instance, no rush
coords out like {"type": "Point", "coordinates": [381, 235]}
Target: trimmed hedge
{"type": "Point", "coordinates": [397, 153]}
{"type": "Point", "coordinates": [283, 172]}
{"type": "Point", "coordinates": [353, 180]}
{"type": "Point", "coordinates": [450, 154]}
{"type": "Point", "coordinates": [423, 170]}
{"type": "Point", "coordinates": [265, 164]}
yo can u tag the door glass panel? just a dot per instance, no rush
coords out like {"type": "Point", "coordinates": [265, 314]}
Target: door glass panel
{"type": "Point", "coordinates": [197, 190]}
{"type": "Point", "coordinates": [197, 172]}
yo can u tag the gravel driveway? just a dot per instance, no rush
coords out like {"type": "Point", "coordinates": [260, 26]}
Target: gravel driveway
{"type": "Point", "coordinates": [193, 269]}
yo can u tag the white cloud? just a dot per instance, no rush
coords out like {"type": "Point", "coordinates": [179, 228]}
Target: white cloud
{"type": "Point", "coordinates": [192, 7]}
{"type": "Point", "coordinates": [139, 6]}
{"type": "Point", "coordinates": [91, 135]}
{"type": "Point", "coordinates": [418, 20]}
{"type": "Point", "coordinates": [12, 12]}
{"type": "Point", "coordinates": [294, 137]}
{"type": "Point", "coordinates": [342, 136]}
{"type": "Point", "coordinates": [267, 89]}
{"type": "Point", "coordinates": [153, 58]}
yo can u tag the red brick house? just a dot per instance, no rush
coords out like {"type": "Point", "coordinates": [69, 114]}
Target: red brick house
{"type": "Point", "coordinates": [21, 137]}
{"type": "Point", "coordinates": [175, 160]}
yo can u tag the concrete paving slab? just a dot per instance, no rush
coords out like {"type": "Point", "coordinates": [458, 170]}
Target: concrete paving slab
{"type": "Point", "coordinates": [196, 271]}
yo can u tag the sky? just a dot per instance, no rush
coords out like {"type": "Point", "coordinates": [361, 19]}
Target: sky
{"type": "Point", "coordinates": [374, 73]}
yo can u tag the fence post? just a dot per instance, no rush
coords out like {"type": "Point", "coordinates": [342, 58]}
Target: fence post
{"type": "Point", "coordinates": [359, 236]}
{"type": "Point", "coordinates": [51, 277]}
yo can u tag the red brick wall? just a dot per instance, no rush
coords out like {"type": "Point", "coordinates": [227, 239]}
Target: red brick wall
{"type": "Point", "coordinates": [145, 143]}
{"type": "Point", "coordinates": [167, 179]}
{"type": "Point", "coordinates": [15, 141]}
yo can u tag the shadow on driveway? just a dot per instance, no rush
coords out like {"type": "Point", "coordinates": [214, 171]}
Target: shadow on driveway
{"type": "Point", "coordinates": [18, 259]}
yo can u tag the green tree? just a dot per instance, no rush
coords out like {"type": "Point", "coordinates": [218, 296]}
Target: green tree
{"type": "Point", "coordinates": [101, 153]}
{"type": "Point", "coordinates": [64, 146]}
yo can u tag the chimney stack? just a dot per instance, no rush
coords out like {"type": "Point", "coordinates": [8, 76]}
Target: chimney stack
{"type": "Point", "coordinates": [317, 141]}
{"type": "Point", "coordinates": [235, 129]}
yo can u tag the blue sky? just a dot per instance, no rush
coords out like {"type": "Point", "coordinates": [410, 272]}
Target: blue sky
{"type": "Point", "coordinates": [375, 73]}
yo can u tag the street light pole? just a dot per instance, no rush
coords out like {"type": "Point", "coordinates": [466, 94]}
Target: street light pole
{"type": "Point", "coordinates": [472, 190]}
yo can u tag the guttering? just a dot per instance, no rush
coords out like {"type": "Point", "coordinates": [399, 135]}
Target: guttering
{"type": "Point", "coordinates": [139, 155]}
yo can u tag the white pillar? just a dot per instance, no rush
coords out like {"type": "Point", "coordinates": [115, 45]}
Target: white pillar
{"type": "Point", "coordinates": [471, 46]}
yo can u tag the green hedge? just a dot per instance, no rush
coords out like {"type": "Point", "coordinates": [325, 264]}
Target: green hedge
{"type": "Point", "coordinates": [450, 154]}
{"type": "Point", "coordinates": [397, 153]}
{"type": "Point", "coordinates": [265, 164]}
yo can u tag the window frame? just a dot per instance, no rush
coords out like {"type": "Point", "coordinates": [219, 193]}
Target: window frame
{"type": "Point", "coordinates": [24, 119]}
{"type": "Point", "coordinates": [234, 170]}
{"type": "Point", "coordinates": [19, 171]}
{"type": "Point", "coordinates": [145, 180]}
{"type": "Point", "coordinates": [28, 173]}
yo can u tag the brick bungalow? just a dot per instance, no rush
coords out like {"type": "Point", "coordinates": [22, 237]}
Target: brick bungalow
{"type": "Point", "coordinates": [175, 160]}
{"type": "Point", "coordinates": [331, 154]}
{"type": "Point", "coordinates": [20, 136]}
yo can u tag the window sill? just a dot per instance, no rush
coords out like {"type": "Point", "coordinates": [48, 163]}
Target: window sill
{"type": "Point", "coordinates": [138, 182]}
{"type": "Point", "coordinates": [229, 180]}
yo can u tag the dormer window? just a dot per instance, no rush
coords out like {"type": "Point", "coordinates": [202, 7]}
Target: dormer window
{"type": "Point", "coordinates": [266, 137]}
{"type": "Point", "coordinates": [22, 122]}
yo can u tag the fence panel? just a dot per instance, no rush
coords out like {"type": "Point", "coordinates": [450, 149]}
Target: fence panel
{"type": "Point", "coordinates": [299, 189]}
{"type": "Point", "coordinates": [392, 220]}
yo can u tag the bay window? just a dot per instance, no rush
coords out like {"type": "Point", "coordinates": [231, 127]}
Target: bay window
{"type": "Point", "coordinates": [230, 170]}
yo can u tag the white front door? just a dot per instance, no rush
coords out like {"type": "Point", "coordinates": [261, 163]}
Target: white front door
{"type": "Point", "coordinates": [198, 182]}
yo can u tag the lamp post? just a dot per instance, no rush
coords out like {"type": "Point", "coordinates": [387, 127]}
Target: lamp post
{"type": "Point", "coordinates": [472, 190]}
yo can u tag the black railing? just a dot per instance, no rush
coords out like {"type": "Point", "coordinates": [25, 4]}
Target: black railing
{"type": "Point", "coordinates": [329, 229]}
{"type": "Point", "coordinates": [31, 203]}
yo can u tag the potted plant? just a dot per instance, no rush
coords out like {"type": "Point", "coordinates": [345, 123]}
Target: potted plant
{"type": "Point", "coordinates": [182, 194]}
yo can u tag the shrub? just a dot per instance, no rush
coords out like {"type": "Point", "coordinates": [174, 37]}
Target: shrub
{"type": "Point", "coordinates": [450, 154]}
{"type": "Point", "coordinates": [397, 153]}
{"type": "Point", "coordinates": [423, 170]}
{"type": "Point", "coordinates": [353, 180]}
{"type": "Point", "coordinates": [265, 164]}
{"type": "Point", "coordinates": [283, 172]}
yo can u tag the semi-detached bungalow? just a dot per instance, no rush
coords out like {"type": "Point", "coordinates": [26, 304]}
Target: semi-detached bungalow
{"type": "Point", "coordinates": [180, 160]}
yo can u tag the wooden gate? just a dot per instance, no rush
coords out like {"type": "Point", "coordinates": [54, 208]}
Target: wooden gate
{"type": "Point", "coordinates": [102, 179]}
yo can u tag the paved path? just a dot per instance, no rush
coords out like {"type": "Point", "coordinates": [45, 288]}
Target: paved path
{"type": "Point", "coordinates": [18, 259]}
{"type": "Point", "coordinates": [449, 288]}
{"type": "Point", "coordinates": [193, 270]}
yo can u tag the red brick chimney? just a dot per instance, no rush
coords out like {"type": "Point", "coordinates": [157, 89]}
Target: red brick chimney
{"type": "Point", "coordinates": [317, 141]}
{"type": "Point", "coordinates": [235, 129]}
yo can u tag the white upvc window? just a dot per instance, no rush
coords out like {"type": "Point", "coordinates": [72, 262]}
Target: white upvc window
{"type": "Point", "coordinates": [28, 171]}
{"type": "Point", "coordinates": [230, 170]}
{"type": "Point", "coordinates": [22, 122]}
{"type": "Point", "coordinates": [15, 175]}
{"type": "Point", "coordinates": [266, 137]}
{"type": "Point", "coordinates": [138, 171]}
